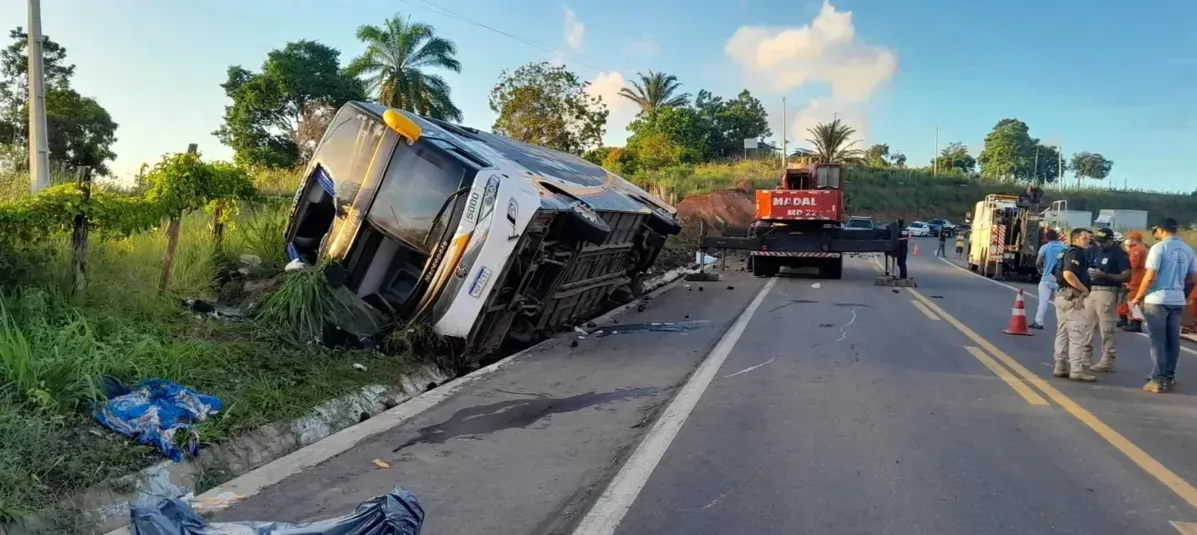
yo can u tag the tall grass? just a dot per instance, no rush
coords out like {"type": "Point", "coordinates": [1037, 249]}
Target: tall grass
{"type": "Point", "coordinates": [55, 346]}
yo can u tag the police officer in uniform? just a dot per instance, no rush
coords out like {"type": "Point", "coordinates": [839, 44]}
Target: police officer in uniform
{"type": "Point", "coordinates": [900, 253]}
{"type": "Point", "coordinates": [1111, 268]}
{"type": "Point", "coordinates": [1074, 331]}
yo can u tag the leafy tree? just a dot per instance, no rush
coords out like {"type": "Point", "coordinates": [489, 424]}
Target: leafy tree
{"type": "Point", "coordinates": [1090, 165]}
{"type": "Point", "coordinates": [278, 114]}
{"type": "Point", "coordinates": [1009, 151]}
{"type": "Point", "coordinates": [955, 156]}
{"type": "Point", "coordinates": [597, 155]}
{"type": "Point", "coordinates": [396, 58]}
{"type": "Point", "coordinates": [81, 132]}
{"type": "Point", "coordinates": [621, 162]}
{"type": "Point", "coordinates": [1045, 163]}
{"type": "Point", "coordinates": [546, 105]}
{"type": "Point", "coordinates": [654, 91]}
{"type": "Point", "coordinates": [730, 122]}
{"type": "Point", "coordinates": [833, 142]}
{"type": "Point", "coordinates": [880, 156]}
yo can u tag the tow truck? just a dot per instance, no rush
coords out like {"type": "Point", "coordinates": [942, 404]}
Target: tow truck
{"type": "Point", "coordinates": [799, 224]}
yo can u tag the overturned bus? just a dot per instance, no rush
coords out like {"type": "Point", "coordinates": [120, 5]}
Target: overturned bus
{"type": "Point", "coordinates": [483, 237]}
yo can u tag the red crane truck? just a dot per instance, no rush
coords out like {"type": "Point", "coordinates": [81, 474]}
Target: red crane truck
{"type": "Point", "coordinates": [800, 224]}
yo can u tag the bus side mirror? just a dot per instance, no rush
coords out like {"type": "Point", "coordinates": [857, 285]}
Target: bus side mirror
{"type": "Point", "coordinates": [403, 126]}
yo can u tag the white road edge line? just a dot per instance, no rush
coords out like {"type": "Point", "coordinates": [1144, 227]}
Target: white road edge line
{"type": "Point", "coordinates": [1034, 295]}
{"type": "Point", "coordinates": [615, 501]}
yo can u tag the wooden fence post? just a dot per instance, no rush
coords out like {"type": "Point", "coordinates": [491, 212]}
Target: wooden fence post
{"type": "Point", "coordinates": [172, 239]}
{"type": "Point", "coordinates": [79, 237]}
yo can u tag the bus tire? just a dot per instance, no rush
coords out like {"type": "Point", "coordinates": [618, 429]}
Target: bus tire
{"type": "Point", "coordinates": [583, 223]}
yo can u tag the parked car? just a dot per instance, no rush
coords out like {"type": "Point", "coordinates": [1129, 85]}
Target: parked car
{"type": "Point", "coordinates": [858, 223]}
{"type": "Point", "coordinates": [918, 229]}
{"type": "Point", "coordinates": [937, 224]}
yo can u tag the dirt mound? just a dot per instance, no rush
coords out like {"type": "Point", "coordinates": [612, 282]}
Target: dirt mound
{"type": "Point", "coordinates": [722, 210]}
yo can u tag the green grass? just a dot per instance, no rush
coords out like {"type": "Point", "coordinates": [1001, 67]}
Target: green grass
{"type": "Point", "coordinates": [54, 346]}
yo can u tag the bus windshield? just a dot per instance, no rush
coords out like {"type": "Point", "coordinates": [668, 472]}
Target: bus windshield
{"type": "Point", "coordinates": [418, 181]}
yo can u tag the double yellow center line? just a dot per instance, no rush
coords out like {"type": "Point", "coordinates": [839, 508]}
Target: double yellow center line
{"type": "Point", "coordinates": [1136, 454]}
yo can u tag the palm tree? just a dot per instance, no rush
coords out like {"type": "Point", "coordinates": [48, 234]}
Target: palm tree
{"type": "Point", "coordinates": [654, 91]}
{"type": "Point", "coordinates": [395, 63]}
{"type": "Point", "coordinates": [833, 142]}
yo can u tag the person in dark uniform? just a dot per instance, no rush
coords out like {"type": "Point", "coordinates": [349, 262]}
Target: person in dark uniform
{"type": "Point", "coordinates": [1074, 331]}
{"type": "Point", "coordinates": [1110, 269]}
{"type": "Point", "coordinates": [900, 253]}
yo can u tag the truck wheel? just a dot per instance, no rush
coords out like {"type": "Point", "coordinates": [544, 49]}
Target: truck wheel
{"type": "Point", "coordinates": [764, 267]}
{"type": "Point", "coordinates": [833, 269]}
{"type": "Point", "coordinates": [583, 223]}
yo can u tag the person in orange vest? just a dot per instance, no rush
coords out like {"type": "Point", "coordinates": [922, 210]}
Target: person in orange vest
{"type": "Point", "coordinates": [1138, 261]}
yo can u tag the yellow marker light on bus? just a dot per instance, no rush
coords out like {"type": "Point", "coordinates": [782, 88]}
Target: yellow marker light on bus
{"type": "Point", "coordinates": [402, 125]}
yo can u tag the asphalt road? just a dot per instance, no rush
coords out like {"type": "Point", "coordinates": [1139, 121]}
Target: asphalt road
{"type": "Point", "coordinates": [832, 407]}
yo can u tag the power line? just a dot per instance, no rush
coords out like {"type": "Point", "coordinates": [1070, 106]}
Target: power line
{"type": "Point", "coordinates": [542, 47]}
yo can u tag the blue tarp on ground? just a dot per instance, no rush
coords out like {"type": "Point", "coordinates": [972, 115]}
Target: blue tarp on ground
{"type": "Point", "coordinates": [397, 513]}
{"type": "Point", "coordinates": [154, 411]}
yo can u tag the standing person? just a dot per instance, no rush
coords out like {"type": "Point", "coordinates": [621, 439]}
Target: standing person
{"type": "Point", "coordinates": [943, 239]}
{"type": "Point", "coordinates": [1074, 328]}
{"type": "Point", "coordinates": [959, 245]}
{"type": "Point", "coordinates": [1137, 253]}
{"type": "Point", "coordinates": [1046, 261]}
{"type": "Point", "coordinates": [900, 254]}
{"type": "Point", "coordinates": [1111, 268]}
{"type": "Point", "coordinates": [1171, 270]}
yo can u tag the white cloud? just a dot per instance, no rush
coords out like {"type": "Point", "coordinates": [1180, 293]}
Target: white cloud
{"type": "Point", "coordinates": [645, 47]}
{"type": "Point", "coordinates": [825, 51]}
{"type": "Point", "coordinates": [825, 110]}
{"type": "Point", "coordinates": [575, 31]}
{"type": "Point", "coordinates": [606, 85]}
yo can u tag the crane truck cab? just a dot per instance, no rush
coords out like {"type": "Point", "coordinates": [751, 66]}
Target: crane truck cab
{"type": "Point", "coordinates": [799, 224]}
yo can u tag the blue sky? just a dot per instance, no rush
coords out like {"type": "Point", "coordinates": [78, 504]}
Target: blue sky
{"type": "Point", "coordinates": [1106, 76]}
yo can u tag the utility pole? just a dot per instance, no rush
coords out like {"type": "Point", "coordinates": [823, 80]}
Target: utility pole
{"type": "Point", "coordinates": [1035, 168]}
{"type": "Point", "coordinates": [39, 150]}
{"type": "Point", "coordinates": [785, 157]}
{"type": "Point", "coordinates": [935, 155]}
{"type": "Point", "coordinates": [1060, 171]}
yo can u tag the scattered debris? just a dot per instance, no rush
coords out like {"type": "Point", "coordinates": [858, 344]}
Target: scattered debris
{"type": "Point", "coordinates": [361, 367]}
{"type": "Point", "coordinates": [380, 463]}
{"type": "Point", "coordinates": [687, 316]}
{"type": "Point", "coordinates": [731, 287]}
{"type": "Point", "coordinates": [591, 325]}
{"type": "Point", "coordinates": [895, 290]}
{"type": "Point", "coordinates": [669, 327]}
{"type": "Point", "coordinates": [154, 410]}
{"type": "Point", "coordinates": [581, 330]}
{"type": "Point", "coordinates": [214, 503]}
{"type": "Point", "coordinates": [573, 343]}
{"type": "Point", "coordinates": [295, 265]}
{"type": "Point", "coordinates": [213, 310]}
{"type": "Point", "coordinates": [815, 285]}
{"type": "Point", "coordinates": [937, 297]}
{"type": "Point", "coordinates": [700, 288]}
{"type": "Point", "coordinates": [397, 513]}
{"type": "Point", "coordinates": [251, 260]}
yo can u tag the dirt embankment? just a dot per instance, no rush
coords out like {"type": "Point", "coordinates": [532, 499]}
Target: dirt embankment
{"type": "Point", "coordinates": [721, 210]}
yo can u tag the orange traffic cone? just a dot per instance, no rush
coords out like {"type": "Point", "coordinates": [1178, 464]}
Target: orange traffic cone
{"type": "Point", "coordinates": [916, 249]}
{"type": "Point", "coordinates": [1018, 318]}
